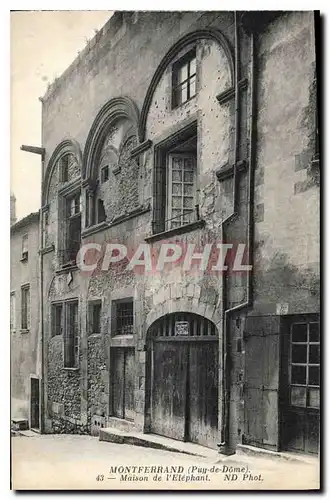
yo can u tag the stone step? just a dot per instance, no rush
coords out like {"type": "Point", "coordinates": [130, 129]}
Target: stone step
{"type": "Point", "coordinates": [122, 425]}
{"type": "Point", "coordinates": [244, 450]}
{"type": "Point", "coordinates": [19, 424]}
{"type": "Point", "coordinates": [114, 435]}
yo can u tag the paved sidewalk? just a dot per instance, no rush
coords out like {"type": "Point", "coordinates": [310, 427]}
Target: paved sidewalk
{"type": "Point", "coordinates": [84, 462]}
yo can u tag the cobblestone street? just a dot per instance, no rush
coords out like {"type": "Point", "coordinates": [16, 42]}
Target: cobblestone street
{"type": "Point", "coordinates": [83, 462]}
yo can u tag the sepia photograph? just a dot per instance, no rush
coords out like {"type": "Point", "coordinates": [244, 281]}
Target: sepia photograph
{"type": "Point", "coordinates": [165, 250]}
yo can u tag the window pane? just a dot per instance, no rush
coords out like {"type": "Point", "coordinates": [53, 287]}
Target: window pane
{"type": "Point", "coordinates": [188, 176]}
{"type": "Point", "coordinates": [314, 354]}
{"type": "Point", "coordinates": [314, 398]}
{"type": "Point", "coordinates": [25, 244]}
{"type": "Point", "coordinates": [188, 216]}
{"type": "Point", "coordinates": [188, 190]}
{"type": "Point", "coordinates": [314, 332]}
{"type": "Point", "coordinates": [299, 353]}
{"type": "Point", "coordinates": [299, 332]}
{"type": "Point", "coordinates": [192, 87]}
{"type": "Point", "coordinates": [176, 214]}
{"type": "Point", "coordinates": [176, 202]}
{"type": "Point", "coordinates": [176, 175]}
{"type": "Point", "coordinates": [298, 396]}
{"type": "Point", "coordinates": [183, 73]}
{"type": "Point", "coordinates": [177, 162]}
{"type": "Point", "coordinates": [58, 320]}
{"type": "Point", "coordinates": [314, 375]}
{"type": "Point", "coordinates": [188, 163]}
{"type": "Point", "coordinates": [177, 189]}
{"type": "Point", "coordinates": [192, 66]}
{"type": "Point", "coordinates": [183, 93]}
{"type": "Point", "coordinates": [298, 375]}
{"type": "Point", "coordinates": [188, 202]}
{"type": "Point", "coordinates": [77, 207]}
{"type": "Point", "coordinates": [72, 206]}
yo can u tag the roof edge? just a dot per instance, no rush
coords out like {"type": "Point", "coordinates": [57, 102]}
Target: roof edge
{"type": "Point", "coordinates": [32, 217]}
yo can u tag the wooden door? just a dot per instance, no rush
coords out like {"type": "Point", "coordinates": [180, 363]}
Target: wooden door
{"type": "Point", "coordinates": [203, 393]}
{"type": "Point", "coordinates": [169, 382]}
{"type": "Point", "coordinates": [123, 377]}
{"type": "Point", "coordinates": [34, 403]}
{"type": "Point", "coordinates": [129, 382]}
{"type": "Point", "coordinates": [184, 379]}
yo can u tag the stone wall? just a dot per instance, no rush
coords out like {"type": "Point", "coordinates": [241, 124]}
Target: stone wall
{"type": "Point", "coordinates": [64, 394]}
{"type": "Point", "coordinates": [25, 344]}
{"type": "Point", "coordinates": [97, 375]}
{"type": "Point", "coordinates": [286, 197]}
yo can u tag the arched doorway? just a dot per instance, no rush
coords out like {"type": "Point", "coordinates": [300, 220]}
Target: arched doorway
{"type": "Point", "coordinates": [183, 378]}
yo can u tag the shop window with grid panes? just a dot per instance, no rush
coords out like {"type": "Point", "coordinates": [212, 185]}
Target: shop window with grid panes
{"type": "Point", "coordinates": [305, 364]}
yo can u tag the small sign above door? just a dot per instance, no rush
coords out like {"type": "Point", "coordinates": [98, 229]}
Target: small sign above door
{"type": "Point", "coordinates": [181, 328]}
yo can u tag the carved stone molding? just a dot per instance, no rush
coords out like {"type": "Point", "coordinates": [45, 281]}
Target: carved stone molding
{"type": "Point", "coordinates": [114, 110]}
{"type": "Point", "coordinates": [67, 146]}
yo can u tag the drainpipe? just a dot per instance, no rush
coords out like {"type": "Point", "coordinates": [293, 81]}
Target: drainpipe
{"type": "Point", "coordinates": [224, 445]}
{"type": "Point", "coordinates": [42, 384]}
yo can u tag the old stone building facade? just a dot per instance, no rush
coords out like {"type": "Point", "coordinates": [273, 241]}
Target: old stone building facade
{"type": "Point", "coordinates": [25, 340]}
{"type": "Point", "coordinates": [192, 128]}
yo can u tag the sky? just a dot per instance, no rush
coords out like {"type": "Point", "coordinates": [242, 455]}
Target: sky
{"type": "Point", "coordinates": [43, 45]}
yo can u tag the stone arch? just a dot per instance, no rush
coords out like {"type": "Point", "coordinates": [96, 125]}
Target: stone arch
{"type": "Point", "coordinates": [65, 147]}
{"type": "Point", "coordinates": [209, 33]}
{"type": "Point", "coordinates": [114, 110]}
{"type": "Point", "coordinates": [189, 360]}
{"type": "Point", "coordinates": [184, 304]}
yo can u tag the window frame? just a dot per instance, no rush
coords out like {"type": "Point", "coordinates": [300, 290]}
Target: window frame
{"type": "Point", "coordinates": [64, 167]}
{"type": "Point", "coordinates": [169, 184]}
{"type": "Point", "coordinates": [25, 308]}
{"type": "Point", "coordinates": [54, 324]}
{"type": "Point", "coordinates": [101, 215]}
{"type": "Point", "coordinates": [25, 247]}
{"type": "Point", "coordinates": [65, 319]}
{"type": "Point", "coordinates": [105, 172]}
{"type": "Point", "coordinates": [306, 386]}
{"type": "Point", "coordinates": [186, 59]}
{"type": "Point", "coordinates": [69, 218]}
{"type": "Point", "coordinates": [114, 310]}
{"type": "Point", "coordinates": [91, 310]}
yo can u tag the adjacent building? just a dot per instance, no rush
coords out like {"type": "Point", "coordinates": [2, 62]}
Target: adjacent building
{"type": "Point", "coordinates": [24, 321]}
{"type": "Point", "coordinates": [191, 129]}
